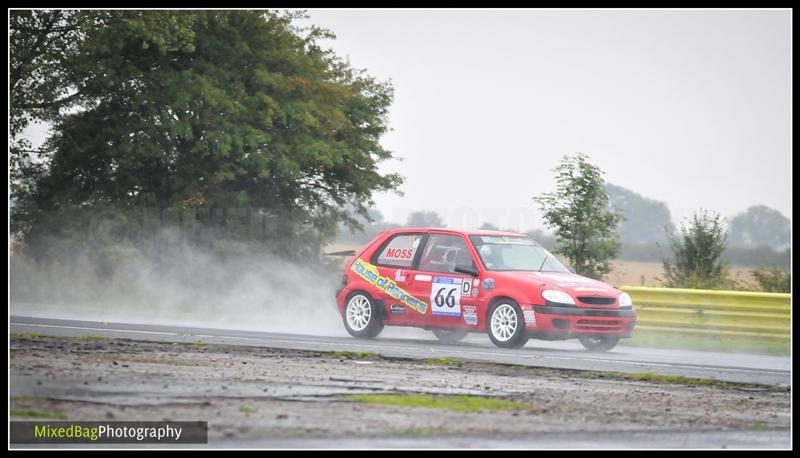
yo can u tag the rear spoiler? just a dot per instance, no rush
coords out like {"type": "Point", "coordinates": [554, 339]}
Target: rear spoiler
{"type": "Point", "coordinates": [341, 253]}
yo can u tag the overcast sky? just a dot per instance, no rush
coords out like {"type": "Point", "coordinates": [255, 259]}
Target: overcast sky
{"type": "Point", "coordinates": [688, 107]}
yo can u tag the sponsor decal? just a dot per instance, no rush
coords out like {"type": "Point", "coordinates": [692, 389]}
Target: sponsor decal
{"type": "Point", "coordinates": [466, 287]}
{"type": "Point", "coordinates": [507, 240]}
{"type": "Point", "coordinates": [370, 273]}
{"type": "Point", "coordinates": [529, 316]}
{"type": "Point", "coordinates": [475, 282]}
{"type": "Point", "coordinates": [422, 277]}
{"type": "Point", "coordinates": [397, 309]}
{"type": "Point", "coordinates": [399, 253]}
{"type": "Point", "coordinates": [488, 284]}
{"type": "Point", "coordinates": [400, 275]}
{"type": "Point", "coordinates": [470, 315]}
{"type": "Point", "coordinates": [446, 296]}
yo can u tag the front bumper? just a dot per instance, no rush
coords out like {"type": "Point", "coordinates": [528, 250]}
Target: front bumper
{"type": "Point", "coordinates": [569, 321]}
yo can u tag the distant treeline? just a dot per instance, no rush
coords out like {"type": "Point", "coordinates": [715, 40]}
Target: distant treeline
{"type": "Point", "coordinates": [736, 254]}
{"type": "Point", "coordinates": [740, 255]}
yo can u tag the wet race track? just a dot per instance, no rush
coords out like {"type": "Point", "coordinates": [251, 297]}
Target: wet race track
{"type": "Point", "coordinates": [732, 367]}
{"type": "Point", "coordinates": [270, 390]}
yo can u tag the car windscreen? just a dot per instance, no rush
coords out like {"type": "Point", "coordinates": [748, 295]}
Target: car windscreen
{"type": "Point", "coordinates": [515, 253]}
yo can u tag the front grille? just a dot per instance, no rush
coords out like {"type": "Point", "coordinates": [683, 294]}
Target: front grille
{"type": "Point", "coordinates": [598, 325]}
{"type": "Point", "coordinates": [595, 300]}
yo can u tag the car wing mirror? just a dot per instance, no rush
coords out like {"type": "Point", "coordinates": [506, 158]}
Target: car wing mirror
{"type": "Point", "coordinates": [466, 270]}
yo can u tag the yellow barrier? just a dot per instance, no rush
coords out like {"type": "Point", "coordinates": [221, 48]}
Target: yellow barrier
{"type": "Point", "coordinates": [757, 316]}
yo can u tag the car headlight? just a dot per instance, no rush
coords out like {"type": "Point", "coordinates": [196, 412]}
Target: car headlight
{"type": "Point", "coordinates": [557, 296]}
{"type": "Point", "coordinates": [625, 301]}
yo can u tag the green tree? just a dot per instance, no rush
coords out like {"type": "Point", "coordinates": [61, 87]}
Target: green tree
{"type": "Point", "coordinates": [39, 43]}
{"type": "Point", "coordinates": [52, 68]}
{"type": "Point", "coordinates": [645, 220]}
{"type": "Point", "coordinates": [773, 279]}
{"type": "Point", "coordinates": [216, 109]}
{"type": "Point", "coordinates": [761, 225]}
{"type": "Point", "coordinates": [488, 227]}
{"type": "Point", "coordinates": [579, 215]}
{"type": "Point", "coordinates": [544, 239]}
{"type": "Point", "coordinates": [424, 219]}
{"type": "Point", "coordinates": [697, 249]}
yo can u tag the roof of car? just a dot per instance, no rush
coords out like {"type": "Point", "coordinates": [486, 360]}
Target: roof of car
{"type": "Point", "coordinates": [461, 231]}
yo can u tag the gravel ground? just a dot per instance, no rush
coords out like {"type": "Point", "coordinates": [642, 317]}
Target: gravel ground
{"type": "Point", "coordinates": [259, 393]}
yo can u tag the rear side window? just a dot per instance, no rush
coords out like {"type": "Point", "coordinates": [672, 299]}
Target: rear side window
{"type": "Point", "coordinates": [400, 251]}
{"type": "Point", "coordinates": [443, 253]}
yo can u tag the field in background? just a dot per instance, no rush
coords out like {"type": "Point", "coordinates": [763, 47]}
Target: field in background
{"type": "Point", "coordinates": [637, 273]}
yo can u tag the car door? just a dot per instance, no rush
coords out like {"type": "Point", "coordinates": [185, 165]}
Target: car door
{"type": "Point", "coordinates": [449, 293]}
{"type": "Point", "coordinates": [395, 260]}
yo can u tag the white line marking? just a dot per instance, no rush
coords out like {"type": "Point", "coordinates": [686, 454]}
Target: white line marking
{"type": "Point", "coordinates": [95, 329]}
{"type": "Point", "coordinates": [127, 330]}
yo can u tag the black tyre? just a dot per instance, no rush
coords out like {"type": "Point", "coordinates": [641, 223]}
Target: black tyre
{"type": "Point", "coordinates": [599, 343]}
{"type": "Point", "coordinates": [450, 336]}
{"type": "Point", "coordinates": [361, 317]}
{"type": "Point", "coordinates": [506, 325]}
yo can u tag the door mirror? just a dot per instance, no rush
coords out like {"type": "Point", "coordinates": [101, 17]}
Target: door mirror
{"type": "Point", "coordinates": [466, 270]}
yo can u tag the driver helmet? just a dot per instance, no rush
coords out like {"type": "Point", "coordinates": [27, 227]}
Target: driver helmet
{"type": "Point", "coordinates": [487, 254]}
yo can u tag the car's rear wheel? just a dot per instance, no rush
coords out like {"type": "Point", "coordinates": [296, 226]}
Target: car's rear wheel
{"type": "Point", "coordinates": [450, 336]}
{"type": "Point", "coordinates": [506, 325]}
{"type": "Point", "coordinates": [599, 343]}
{"type": "Point", "coordinates": [361, 317]}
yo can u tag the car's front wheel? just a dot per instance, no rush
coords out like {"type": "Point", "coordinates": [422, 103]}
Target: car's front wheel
{"type": "Point", "coordinates": [361, 317]}
{"type": "Point", "coordinates": [450, 336]}
{"type": "Point", "coordinates": [599, 343]}
{"type": "Point", "coordinates": [506, 326]}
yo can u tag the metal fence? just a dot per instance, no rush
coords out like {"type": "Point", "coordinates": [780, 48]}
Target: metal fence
{"type": "Point", "coordinates": [735, 314]}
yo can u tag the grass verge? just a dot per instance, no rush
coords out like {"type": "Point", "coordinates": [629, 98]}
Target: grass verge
{"type": "Point", "coordinates": [30, 413]}
{"type": "Point", "coordinates": [248, 409]}
{"type": "Point", "coordinates": [444, 362]}
{"type": "Point", "coordinates": [655, 377]}
{"type": "Point", "coordinates": [29, 335]}
{"type": "Point", "coordinates": [686, 342]}
{"type": "Point", "coordinates": [458, 403]}
{"type": "Point", "coordinates": [351, 354]}
{"type": "Point", "coordinates": [659, 378]}
{"type": "Point", "coordinates": [90, 338]}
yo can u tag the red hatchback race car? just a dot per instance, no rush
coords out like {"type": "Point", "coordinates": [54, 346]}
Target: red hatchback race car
{"type": "Point", "coordinates": [456, 282]}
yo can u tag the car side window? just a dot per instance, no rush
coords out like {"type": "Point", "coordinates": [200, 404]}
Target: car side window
{"type": "Point", "coordinates": [443, 253]}
{"type": "Point", "coordinates": [400, 251]}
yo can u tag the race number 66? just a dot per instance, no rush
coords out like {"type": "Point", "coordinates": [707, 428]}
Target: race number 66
{"type": "Point", "coordinates": [449, 299]}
